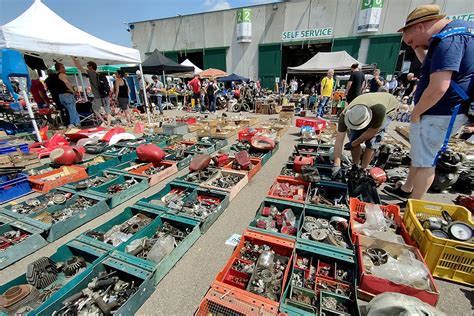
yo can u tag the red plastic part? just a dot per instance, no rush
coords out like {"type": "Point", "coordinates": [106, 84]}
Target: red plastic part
{"type": "Point", "coordinates": [66, 155]}
{"type": "Point", "coordinates": [220, 160]}
{"type": "Point", "coordinates": [247, 133]}
{"type": "Point", "coordinates": [112, 132]}
{"type": "Point", "coordinates": [84, 133]}
{"type": "Point", "coordinates": [150, 153]}
{"type": "Point", "coordinates": [286, 183]}
{"type": "Point", "coordinates": [378, 174]}
{"type": "Point", "coordinates": [301, 161]}
{"type": "Point", "coordinates": [262, 143]}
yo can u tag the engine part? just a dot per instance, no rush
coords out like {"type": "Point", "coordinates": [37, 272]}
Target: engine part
{"type": "Point", "coordinates": [41, 273]}
{"type": "Point", "coordinates": [300, 161]}
{"type": "Point", "coordinates": [242, 160]}
{"type": "Point", "coordinates": [16, 297]}
{"type": "Point", "coordinates": [200, 162]}
{"type": "Point", "coordinates": [73, 266]}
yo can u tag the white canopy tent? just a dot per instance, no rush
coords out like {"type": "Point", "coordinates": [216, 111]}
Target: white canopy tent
{"type": "Point", "coordinates": [321, 62]}
{"type": "Point", "coordinates": [42, 33]}
{"type": "Point", "coordinates": [187, 62]}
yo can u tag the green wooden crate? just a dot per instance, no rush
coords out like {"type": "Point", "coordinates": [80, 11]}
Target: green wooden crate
{"type": "Point", "coordinates": [317, 255]}
{"type": "Point", "coordinates": [217, 142]}
{"type": "Point", "coordinates": [72, 185]}
{"type": "Point", "coordinates": [94, 169]}
{"type": "Point", "coordinates": [59, 229]}
{"type": "Point", "coordinates": [201, 149]}
{"type": "Point", "coordinates": [89, 253]}
{"type": "Point", "coordinates": [128, 213]}
{"type": "Point", "coordinates": [115, 199]}
{"type": "Point", "coordinates": [162, 268]}
{"type": "Point", "coordinates": [33, 242]}
{"type": "Point", "coordinates": [138, 272]}
{"type": "Point", "coordinates": [123, 153]}
{"type": "Point", "coordinates": [326, 213]}
{"type": "Point", "coordinates": [181, 162]}
{"type": "Point", "coordinates": [224, 197]}
{"type": "Point", "coordinates": [147, 201]}
{"type": "Point", "coordinates": [133, 143]}
{"type": "Point", "coordinates": [281, 205]}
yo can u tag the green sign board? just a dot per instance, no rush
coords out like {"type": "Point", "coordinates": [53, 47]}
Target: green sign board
{"type": "Point", "coordinates": [244, 15]}
{"type": "Point", "coordinates": [367, 4]}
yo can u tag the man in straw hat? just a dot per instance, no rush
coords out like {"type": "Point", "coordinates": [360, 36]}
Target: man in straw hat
{"type": "Point", "coordinates": [446, 49]}
{"type": "Point", "coordinates": [366, 119]}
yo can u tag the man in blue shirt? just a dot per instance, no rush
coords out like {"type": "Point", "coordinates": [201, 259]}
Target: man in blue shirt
{"type": "Point", "coordinates": [444, 60]}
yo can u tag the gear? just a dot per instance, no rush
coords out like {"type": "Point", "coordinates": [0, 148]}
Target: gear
{"type": "Point", "coordinates": [73, 265]}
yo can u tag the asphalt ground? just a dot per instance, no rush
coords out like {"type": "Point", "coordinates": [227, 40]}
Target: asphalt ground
{"type": "Point", "coordinates": [181, 290]}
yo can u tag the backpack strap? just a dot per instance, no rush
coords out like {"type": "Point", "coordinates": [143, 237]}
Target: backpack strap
{"type": "Point", "coordinates": [438, 37]}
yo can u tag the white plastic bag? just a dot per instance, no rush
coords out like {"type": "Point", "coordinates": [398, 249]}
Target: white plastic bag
{"type": "Point", "coordinates": [374, 221]}
{"type": "Point", "coordinates": [162, 248]}
{"type": "Point", "coordinates": [406, 270]}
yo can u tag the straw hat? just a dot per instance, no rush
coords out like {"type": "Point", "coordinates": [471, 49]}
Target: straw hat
{"type": "Point", "coordinates": [358, 117]}
{"type": "Point", "coordinates": [421, 14]}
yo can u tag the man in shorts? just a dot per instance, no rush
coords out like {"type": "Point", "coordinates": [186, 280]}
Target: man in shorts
{"type": "Point", "coordinates": [446, 59]}
{"type": "Point", "coordinates": [99, 100]}
{"type": "Point", "coordinates": [366, 120]}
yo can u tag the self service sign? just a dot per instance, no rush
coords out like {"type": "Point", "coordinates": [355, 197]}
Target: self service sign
{"type": "Point", "coordinates": [301, 35]}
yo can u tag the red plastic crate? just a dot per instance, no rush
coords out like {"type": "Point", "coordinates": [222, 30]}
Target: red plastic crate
{"type": "Point", "coordinates": [356, 207]}
{"type": "Point", "coordinates": [56, 178]}
{"type": "Point", "coordinates": [281, 246]}
{"type": "Point", "coordinates": [273, 193]}
{"type": "Point", "coordinates": [223, 300]}
{"type": "Point", "coordinates": [256, 167]}
{"type": "Point", "coordinates": [317, 123]}
{"type": "Point", "coordinates": [247, 133]}
{"type": "Point", "coordinates": [375, 285]}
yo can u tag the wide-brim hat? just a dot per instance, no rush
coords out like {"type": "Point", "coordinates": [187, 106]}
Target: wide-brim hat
{"type": "Point", "coordinates": [421, 14]}
{"type": "Point", "coordinates": [358, 117]}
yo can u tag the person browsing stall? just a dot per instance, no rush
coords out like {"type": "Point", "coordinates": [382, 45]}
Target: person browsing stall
{"type": "Point", "coordinates": [326, 90]}
{"type": "Point", "coordinates": [446, 49]}
{"type": "Point", "coordinates": [101, 98]}
{"type": "Point", "coordinates": [356, 83]}
{"type": "Point", "coordinates": [365, 118]}
{"type": "Point", "coordinates": [66, 95]}
{"type": "Point", "coordinates": [121, 91]}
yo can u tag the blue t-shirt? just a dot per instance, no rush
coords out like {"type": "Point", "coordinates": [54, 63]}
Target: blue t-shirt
{"type": "Point", "coordinates": [453, 53]}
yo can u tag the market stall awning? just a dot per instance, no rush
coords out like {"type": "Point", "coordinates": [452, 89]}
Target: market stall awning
{"type": "Point", "coordinates": [233, 77]}
{"type": "Point", "coordinates": [157, 64]}
{"type": "Point", "coordinates": [189, 63]}
{"type": "Point", "coordinates": [41, 32]}
{"type": "Point", "coordinates": [212, 73]}
{"type": "Point", "coordinates": [321, 62]}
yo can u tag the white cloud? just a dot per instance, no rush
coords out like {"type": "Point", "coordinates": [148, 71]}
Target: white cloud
{"type": "Point", "coordinates": [217, 4]}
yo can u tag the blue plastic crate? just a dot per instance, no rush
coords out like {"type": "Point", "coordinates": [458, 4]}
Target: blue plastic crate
{"type": "Point", "coordinates": [7, 148]}
{"type": "Point", "coordinates": [13, 189]}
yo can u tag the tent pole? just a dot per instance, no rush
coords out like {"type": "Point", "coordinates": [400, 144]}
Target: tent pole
{"type": "Point", "coordinates": [32, 116]}
{"type": "Point", "coordinates": [83, 87]}
{"type": "Point", "coordinates": [77, 82]}
{"type": "Point", "coordinates": [145, 98]}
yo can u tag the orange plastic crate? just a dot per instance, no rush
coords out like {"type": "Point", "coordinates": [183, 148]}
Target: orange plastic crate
{"type": "Point", "coordinates": [356, 207]}
{"type": "Point", "coordinates": [225, 301]}
{"type": "Point", "coordinates": [56, 178]}
{"type": "Point", "coordinates": [273, 193]}
{"type": "Point", "coordinates": [256, 167]}
{"type": "Point", "coordinates": [281, 246]}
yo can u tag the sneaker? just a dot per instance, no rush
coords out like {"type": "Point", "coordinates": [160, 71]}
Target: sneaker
{"type": "Point", "coordinates": [397, 192]}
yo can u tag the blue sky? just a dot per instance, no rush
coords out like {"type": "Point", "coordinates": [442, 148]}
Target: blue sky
{"type": "Point", "coordinates": [104, 18]}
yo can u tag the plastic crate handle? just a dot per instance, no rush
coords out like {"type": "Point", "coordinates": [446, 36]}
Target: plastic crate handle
{"type": "Point", "coordinates": [464, 248]}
